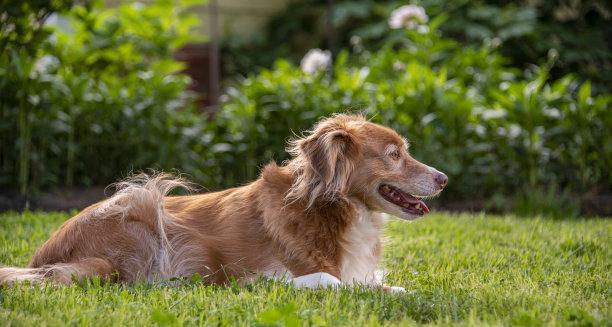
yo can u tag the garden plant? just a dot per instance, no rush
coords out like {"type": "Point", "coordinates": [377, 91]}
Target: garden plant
{"type": "Point", "coordinates": [102, 93]}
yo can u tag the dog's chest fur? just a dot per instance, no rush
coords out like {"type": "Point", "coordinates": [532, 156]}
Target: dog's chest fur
{"type": "Point", "coordinates": [361, 248]}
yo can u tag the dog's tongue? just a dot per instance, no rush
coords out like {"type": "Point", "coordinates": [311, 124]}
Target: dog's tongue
{"type": "Point", "coordinates": [404, 199]}
{"type": "Point", "coordinates": [414, 201]}
{"type": "Point", "coordinates": [424, 207]}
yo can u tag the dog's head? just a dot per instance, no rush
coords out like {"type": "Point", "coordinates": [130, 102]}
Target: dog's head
{"type": "Point", "coordinates": [346, 156]}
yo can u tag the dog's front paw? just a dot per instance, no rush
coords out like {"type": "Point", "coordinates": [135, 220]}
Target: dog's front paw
{"type": "Point", "coordinates": [316, 280]}
{"type": "Point", "coordinates": [394, 289]}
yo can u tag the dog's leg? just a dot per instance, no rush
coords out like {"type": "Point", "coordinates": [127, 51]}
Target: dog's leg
{"type": "Point", "coordinates": [322, 279]}
{"type": "Point", "coordinates": [379, 276]}
{"type": "Point", "coordinates": [393, 289]}
{"type": "Point", "coordinates": [316, 280]}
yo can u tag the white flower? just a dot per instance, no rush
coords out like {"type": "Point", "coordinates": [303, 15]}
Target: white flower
{"type": "Point", "coordinates": [363, 73]}
{"type": "Point", "coordinates": [408, 16]}
{"type": "Point", "coordinates": [43, 63]}
{"type": "Point", "coordinates": [398, 66]}
{"type": "Point", "coordinates": [492, 114]}
{"type": "Point", "coordinates": [315, 60]}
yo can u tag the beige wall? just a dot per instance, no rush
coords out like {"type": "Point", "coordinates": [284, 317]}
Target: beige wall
{"type": "Point", "coordinates": [244, 17]}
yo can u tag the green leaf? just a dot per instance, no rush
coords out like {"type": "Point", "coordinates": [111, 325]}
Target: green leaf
{"type": "Point", "coordinates": [584, 94]}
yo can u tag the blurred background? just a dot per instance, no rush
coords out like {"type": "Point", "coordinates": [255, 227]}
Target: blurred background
{"type": "Point", "coordinates": [510, 99]}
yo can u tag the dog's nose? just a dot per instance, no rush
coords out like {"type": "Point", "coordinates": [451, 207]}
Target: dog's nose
{"type": "Point", "coordinates": [441, 179]}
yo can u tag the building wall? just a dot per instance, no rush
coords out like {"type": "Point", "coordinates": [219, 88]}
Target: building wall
{"type": "Point", "coordinates": [243, 17]}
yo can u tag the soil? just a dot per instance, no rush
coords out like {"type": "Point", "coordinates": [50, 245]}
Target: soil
{"type": "Point", "coordinates": [58, 200]}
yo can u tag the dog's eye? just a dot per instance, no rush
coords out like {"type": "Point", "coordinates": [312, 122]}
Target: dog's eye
{"type": "Point", "coordinates": [396, 155]}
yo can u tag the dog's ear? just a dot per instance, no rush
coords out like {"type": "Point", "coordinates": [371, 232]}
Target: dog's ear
{"type": "Point", "coordinates": [323, 162]}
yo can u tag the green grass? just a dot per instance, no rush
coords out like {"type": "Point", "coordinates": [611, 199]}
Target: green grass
{"type": "Point", "coordinates": [458, 269]}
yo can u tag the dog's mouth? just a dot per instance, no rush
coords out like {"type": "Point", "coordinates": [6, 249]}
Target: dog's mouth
{"type": "Point", "coordinates": [408, 203]}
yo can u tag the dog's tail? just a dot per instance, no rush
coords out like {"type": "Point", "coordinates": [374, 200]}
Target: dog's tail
{"type": "Point", "coordinates": [142, 196]}
{"type": "Point", "coordinates": [138, 197]}
{"type": "Point", "coordinates": [11, 274]}
{"type": "Point", "coordinates": [59, 272]}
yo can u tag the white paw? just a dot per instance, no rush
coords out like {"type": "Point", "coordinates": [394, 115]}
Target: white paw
{"type": "Point", "coordinates": [316, 280]}
{"type": "Point", "coordinates": [394, 289]}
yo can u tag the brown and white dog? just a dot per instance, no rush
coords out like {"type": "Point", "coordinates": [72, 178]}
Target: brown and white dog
{"type": "Point", "coordinates": [314, 220]}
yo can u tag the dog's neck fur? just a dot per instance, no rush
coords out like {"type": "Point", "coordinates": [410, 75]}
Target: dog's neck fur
{"type": "Point", "coordinates": [346, 230]}
{"type": "Point", "coordinates": [362, 247]}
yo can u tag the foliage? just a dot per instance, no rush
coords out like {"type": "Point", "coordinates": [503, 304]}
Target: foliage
{"type": "Point", "coordinates": [458, 270]}
{"type": "Point", "coordinates": [101, 96]}
{"type": "Point", "coordinates": [491, 130]}
{"type": "Point", "coordinates": [527, 32]}
{"type": "Point", "coordinates": [22, 23]}
{"type": "Point", "coordinates": [576, 34]}
{"type": "Point", "coordinates": [23, 31]}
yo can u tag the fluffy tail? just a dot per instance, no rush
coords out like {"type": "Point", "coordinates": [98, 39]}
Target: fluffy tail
{"type": "Point", "coordinates": [143, 195]}
{"type": "Point", "coordinates": [60, 272]}
{"type": "Point", "coordinates": [11, 275]}
{"type": "Point", "coordinates": [139, 197]}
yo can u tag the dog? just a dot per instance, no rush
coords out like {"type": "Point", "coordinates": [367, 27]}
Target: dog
{"type": "Point", "coordinates": [314, 221]}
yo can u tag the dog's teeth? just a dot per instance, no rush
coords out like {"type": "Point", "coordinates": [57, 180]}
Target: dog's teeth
{"type": "Point", "coordinates": [418, 206]}
{"type": "Point", "coordinates": [386, 189]}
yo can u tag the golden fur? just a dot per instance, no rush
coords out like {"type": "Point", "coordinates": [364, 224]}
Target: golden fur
{"type": "Point", "coordinates": [319, 212]}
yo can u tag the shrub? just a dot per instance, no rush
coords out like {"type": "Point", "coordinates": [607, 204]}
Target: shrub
{"type": "Point", "coordinates": [100, 97]}
{"type": "Point", "coordinates": [527, 32]}
{"type": "Point", "coordinates": [23, 31]}
{"type": "Point", "coordinates": [105, 96]}
{"type": "Point", "coordinates": [493, 130]}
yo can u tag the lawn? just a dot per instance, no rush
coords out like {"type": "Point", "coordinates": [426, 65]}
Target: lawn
{"type": "Point", "coordinates": [458, 269]}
